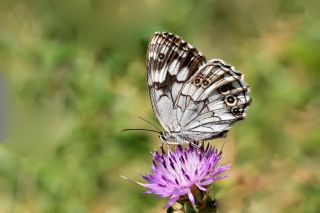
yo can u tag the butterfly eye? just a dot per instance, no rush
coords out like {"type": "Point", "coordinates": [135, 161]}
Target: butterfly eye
{"type": "Point", "coordinates": [230, 100]}
{"type": "Point", "coordinates": [162, 137]}
{"type": "Point", "coordinates": [161, 56]}
{"type": "Point", "coordinates": [224, 89]}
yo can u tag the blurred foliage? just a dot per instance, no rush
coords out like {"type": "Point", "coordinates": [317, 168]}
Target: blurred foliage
{"type": "Point", "coordinates": [75, 76]}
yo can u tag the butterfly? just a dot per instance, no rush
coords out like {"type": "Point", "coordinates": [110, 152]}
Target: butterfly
{"type": "Point", "coordinates": [193, 99]}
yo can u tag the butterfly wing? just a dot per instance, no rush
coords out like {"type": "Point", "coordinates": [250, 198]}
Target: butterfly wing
{"type": "Point", "coordinates": [210, 101]}
{"type": "Point", "coordinates": [171, 62]}
{"type": "Point", "coordinates": [190, 97]}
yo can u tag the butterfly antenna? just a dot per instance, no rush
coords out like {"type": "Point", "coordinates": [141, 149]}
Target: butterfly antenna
{"type": "Point", "coordinates": [149, 130]}
{"type": "Point", "coordinates": [149, 123]}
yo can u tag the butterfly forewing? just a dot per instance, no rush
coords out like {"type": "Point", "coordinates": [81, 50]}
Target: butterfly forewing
{"type": "Point", "coordinates": [170, 63]}
{"type": "Point", "coordinates": [196, 99]}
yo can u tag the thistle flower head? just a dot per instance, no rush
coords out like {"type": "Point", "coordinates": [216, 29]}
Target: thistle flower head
{"type": "Point", "coordinates": [176, 174]}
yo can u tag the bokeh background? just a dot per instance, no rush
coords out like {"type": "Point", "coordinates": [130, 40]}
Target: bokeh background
{"type": "Point", "coordinates": [74, 75]}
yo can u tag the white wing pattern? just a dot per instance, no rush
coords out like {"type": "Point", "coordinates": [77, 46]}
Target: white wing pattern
{"type": "Point", "coordinates": [194, 100]}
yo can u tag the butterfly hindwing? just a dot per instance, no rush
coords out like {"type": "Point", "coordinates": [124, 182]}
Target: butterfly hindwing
{"type": "Point", "coordinates": [211, 100]}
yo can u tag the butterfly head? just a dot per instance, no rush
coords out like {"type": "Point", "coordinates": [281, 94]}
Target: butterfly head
{"type": "Point", "coordinates": [169, 137]}
{"type": "Point", "coordinates": [165, 137]}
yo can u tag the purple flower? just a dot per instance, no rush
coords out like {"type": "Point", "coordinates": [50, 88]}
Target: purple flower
{"type": "Point", "coordinates": [179, 174]}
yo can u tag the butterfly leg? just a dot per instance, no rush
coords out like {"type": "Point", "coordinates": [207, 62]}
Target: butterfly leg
{"type": "Point", "coordinates": [196, 144]}
{"type": "Point", "coordinates": [200, 143]}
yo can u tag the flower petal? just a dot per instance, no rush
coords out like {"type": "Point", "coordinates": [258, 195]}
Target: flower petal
{"type": "Point", "coordinates": [191, 198]}
{"type": "Point", "coordinates": [171, 201]}
{"type": "Point", "coordinates": [201, 187]}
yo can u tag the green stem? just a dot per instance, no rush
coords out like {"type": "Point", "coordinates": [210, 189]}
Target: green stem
{"type": "Point", "coordinates": [207, 206]}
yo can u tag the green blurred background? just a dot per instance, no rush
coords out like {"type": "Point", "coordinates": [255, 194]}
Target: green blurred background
{"type": "Point", "coordinates": [75, 75]}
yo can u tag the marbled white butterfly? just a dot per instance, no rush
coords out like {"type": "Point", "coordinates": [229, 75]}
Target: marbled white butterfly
{"type": "Point", "coordinates": [194, 99]}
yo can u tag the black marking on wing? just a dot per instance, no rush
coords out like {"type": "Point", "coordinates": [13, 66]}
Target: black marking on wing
{"type": "Point", "coordinates": [167, 83]}
{"type": "Point", "coordinates": [174, 49]}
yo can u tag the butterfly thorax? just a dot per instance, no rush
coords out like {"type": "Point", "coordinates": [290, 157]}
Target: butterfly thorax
{"type": "Point", "coordinates": [185, 137]}
{"type": "Point", "coordinates": [175, 138]}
